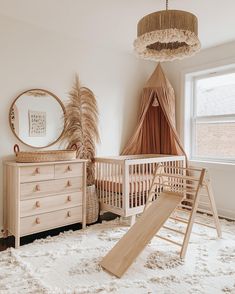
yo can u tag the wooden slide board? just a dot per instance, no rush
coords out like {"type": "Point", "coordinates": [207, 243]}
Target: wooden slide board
{"type": "Point", "coordinates": [123, 254]}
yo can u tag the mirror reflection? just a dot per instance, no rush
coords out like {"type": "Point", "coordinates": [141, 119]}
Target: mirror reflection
{"type": "Point", "coordinates": [37, 118]}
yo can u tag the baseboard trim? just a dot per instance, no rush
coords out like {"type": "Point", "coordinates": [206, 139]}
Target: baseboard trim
{"type": "Point", "coordinates": [227, 214]}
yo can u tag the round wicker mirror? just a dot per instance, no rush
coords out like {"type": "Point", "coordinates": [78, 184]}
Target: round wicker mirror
{"type": "Point", "coordinates": [36, 118]}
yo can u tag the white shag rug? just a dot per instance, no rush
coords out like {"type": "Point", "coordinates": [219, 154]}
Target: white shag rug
{"type": "Point", "coordinates": [69, 263]}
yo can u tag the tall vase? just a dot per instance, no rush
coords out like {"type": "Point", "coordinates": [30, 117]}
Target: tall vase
{"type": "Point", "coordinates": [92, 205]}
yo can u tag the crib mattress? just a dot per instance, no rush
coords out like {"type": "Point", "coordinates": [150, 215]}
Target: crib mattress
{"type": "Point", "coordinates": [137, 183]}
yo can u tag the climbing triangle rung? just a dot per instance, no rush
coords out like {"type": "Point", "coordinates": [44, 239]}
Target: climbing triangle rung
{"type": "Point", "coordinates": [173, 230]}
{"type": "Point", "coordinates": [179, 220]}
{"type": "Point", "coordinates": [179, 177]}
{"type": "Point", "coordinates": [182, 168]}
{"type": "Point", "coordinates": [184, 220]}
{"type": "Point", "coordinates": [188, 209]}
{"type": "Point", "coordinates": [169, 240]}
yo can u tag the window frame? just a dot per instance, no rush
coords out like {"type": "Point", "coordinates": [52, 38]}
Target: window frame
{"type": "Point", "coordinates": [194, 119]}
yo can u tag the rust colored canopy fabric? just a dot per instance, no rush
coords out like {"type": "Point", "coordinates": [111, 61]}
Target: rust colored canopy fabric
{"type": "Point", "coordinates": [156, 132]}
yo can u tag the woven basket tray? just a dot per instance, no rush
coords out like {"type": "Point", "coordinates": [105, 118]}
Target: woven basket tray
{"type": "Point", "coordinates": [44, 156]}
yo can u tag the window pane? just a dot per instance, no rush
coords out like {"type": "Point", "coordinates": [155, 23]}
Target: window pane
{"type": "Point", "coordinates": [215, 95]}
{"type": "Point", "coordinates": [215, 140]}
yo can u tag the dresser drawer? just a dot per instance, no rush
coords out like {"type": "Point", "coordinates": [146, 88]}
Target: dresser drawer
{"type": "Point", "coordinates": [46, 221]}
{"type": "Point", "coordinates": [46, 204]}
{"type": "Point", "coordinates": [46, 188]}
{"type": "Point", "coordinates": [68, 170]}
{"type": "Point", "coordinates": [36, 173]}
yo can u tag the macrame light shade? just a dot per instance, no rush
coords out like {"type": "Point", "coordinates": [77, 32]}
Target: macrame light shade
{"type": "Point", "coordinates": [167, 35]}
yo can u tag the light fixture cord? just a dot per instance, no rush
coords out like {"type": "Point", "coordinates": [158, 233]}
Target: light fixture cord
{"type": "Point", "coordinates": [166, 4]}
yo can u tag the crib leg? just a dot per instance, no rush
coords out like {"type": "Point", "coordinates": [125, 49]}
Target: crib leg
{"type": "Point", "coordinates": [133, 219]}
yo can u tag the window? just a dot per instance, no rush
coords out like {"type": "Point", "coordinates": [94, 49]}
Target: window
{"type": "Point", "coordinates": [213, 117]}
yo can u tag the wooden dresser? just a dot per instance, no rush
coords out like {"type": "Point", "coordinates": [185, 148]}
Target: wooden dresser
{"type": "Point", "coordinates": [43, 196]}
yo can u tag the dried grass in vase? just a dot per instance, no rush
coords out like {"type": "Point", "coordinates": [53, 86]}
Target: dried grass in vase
{"type": "Point", "coordinates": [81, 125]}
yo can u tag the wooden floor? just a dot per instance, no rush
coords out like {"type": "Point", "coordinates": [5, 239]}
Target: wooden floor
{"type": "Point", "coordinates": [10, 241]}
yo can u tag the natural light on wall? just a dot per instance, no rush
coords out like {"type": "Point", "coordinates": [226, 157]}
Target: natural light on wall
{"type": "Point", "coordinates": [213, 117]}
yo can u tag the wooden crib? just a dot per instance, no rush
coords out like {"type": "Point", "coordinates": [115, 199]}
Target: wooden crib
{"type": "Point", "coordinates": [123, 182]}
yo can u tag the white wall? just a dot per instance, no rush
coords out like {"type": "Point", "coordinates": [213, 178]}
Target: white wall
{"type": "Point", "coordinates": [223, 175]}
{"type": "Point", "coordinates": [34, 58]}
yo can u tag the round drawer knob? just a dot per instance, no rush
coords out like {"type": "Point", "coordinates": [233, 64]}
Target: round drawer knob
{"type": "Point", "coordinates": [69, 198]}
{"type": "Point", "coordinates": [38, 220]}
{"type": "Point", "coordinates": [69, 168]}
{"type": "Point", "coordinates": [37, 170]}
{"type": "Point", "coordinates": [37, 188]}
{"type": "Point", "coordinates": [38, 204]}
{"type": "Point", "coordinates": [69, 214]}
{"type": "Point", "coordinates": [69, 184]}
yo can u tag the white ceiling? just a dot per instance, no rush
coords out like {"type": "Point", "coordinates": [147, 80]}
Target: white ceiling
{"type": "Point", "coordinates": [112, 23]}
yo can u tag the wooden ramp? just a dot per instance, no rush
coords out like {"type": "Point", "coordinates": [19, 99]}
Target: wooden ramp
{"type": "Point", "coordinates": [123, 254]}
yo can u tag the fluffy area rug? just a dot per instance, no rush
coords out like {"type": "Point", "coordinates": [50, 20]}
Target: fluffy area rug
{"type": "Point", "coordinates": [69, 263]}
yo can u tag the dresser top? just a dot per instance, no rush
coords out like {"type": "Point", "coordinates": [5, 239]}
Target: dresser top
{"type": "Point", "coordinates": [14, 163]}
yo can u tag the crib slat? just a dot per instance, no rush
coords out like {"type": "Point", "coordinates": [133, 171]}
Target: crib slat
{"type": "Point", "coordinates": [106, 183]}
{"type": "Point", "coordinates": [153, 170]}
{"type": "Point", "coordinates": [136, 180]}
{"type": "Point", "coordinates": [143, 184]}
{"type": "Point", "coordinates": [139, 185]}
{"type": "Point", "coordinates": [109, 183]}
{"type": "Point", "coordinates": [131, 186]}
{"type": "Point", "coordinates": [98, 180]}
{"type": "Point", "coordinates": [119, 187]}
{"type": "Point", "coordinates": [115, 184]}
{"type": "Point", "coordinates": [102, 182]}
{"type": "Point", "coordinates": [125, 188]}
{"type": "Point", "coordinates": [148, 181]}
{"type": "Point", "coordinates": [97, 167]}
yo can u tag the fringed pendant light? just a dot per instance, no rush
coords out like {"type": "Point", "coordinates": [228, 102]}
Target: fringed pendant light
{"type": "Point", "coordinates": [167, 35]}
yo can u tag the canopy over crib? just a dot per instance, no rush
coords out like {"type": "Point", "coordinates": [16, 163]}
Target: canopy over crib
{"type": "Point", "coordinates": [156, 132]}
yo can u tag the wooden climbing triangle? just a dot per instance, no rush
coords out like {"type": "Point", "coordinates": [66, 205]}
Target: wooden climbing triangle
{"type": "Point", "coordinates": [177, 194]}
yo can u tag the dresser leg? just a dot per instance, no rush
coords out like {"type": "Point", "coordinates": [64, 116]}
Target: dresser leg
{"type": "Point", "coordinates": [17, 242]}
